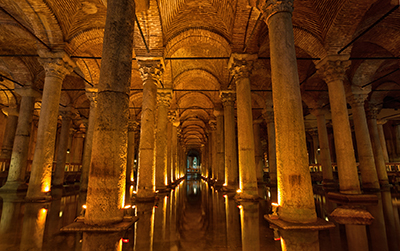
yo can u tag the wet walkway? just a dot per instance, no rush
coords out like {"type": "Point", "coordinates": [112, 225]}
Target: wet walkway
{"type": "Point", "coordinates": [192, 217]}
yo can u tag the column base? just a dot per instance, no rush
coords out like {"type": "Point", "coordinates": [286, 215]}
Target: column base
{"type": "Point", "coordinates": [352, 215]}
{"type": "Point", "coordinates": [80, 226]}
{"type": "Point", "coordinates": [14, 187]}
{"type": "Point", "coordinates": [243, 196]}
{"type": "Point", "coordinates": [319, 224]}
{"type": "Point", "coordinates": [364, 199]}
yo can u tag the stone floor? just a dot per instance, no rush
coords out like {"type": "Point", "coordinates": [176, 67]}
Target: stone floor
{"type": "Point", "coordinates": [192, 217]}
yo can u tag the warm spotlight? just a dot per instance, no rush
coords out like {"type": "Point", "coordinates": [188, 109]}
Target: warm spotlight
{"type": "Point", "coordinates": [84, 206]}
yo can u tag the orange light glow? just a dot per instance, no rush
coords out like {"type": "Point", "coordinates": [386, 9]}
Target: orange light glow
{"type": "Point", "coordinates": [84, 206]}
{"type": "Point", "coordinates": [125, 240]}
{"type": "Point", "coordinates": [225, 184]}
{"type": "Point", "coordinates": [238, 191]}
{"type": "Point", "coordinates": [127, 206]}
{"type": "Point", "coordinates": [274, 204]}
{"type": "Point", "coordinates": [240, 206]}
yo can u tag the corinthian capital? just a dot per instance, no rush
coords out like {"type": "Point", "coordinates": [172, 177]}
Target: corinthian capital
{"type": "Point", "coordinates": [228, 98]}
{"type": "Point", "coordinates": [357, 99]}
{"type": "Point", "coordinates": [56, 64]}
{"type": "Point", "coordinates": [133, 126]}
{"type": "Point", "coordinates": [164, 97]}
{"type": "Point", "coordinates": [151, 69]}
{"type": "Point", "coordinates": [333, 67]}
{"type": "Point", "coordinates": [240, 65]}
{"type": "Point", "coordinates": [272, 7]}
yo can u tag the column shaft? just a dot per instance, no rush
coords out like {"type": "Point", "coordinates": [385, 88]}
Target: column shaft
{"type": "Point", "coordinates": [269, 117]}
{"type": "Point", "coordinates": [164, 97]}
{"type": "Point", "coordinates": [19, 157]}
{"type": "Point", "coordinates": [150, 71]}
{"type": "Point", "coordinates": [57, 66]}
{"type": "Point", "coordinates": [325, 155]}
{"type": "Point", "coordinates": [107, 175]}
{"type": "Point", "coordinates": [258, 151]}
{"type": "Point", "coordinates": [87, 151]}
{"type": "Point", "coordinates": [58, 178]}
{"type": "Point", "coordinates": [364, 147]}
{"type": "Point", "coordinates": [220, 148]}
{"type": "Point", "coordinates": [333, 68]}
{"type": "Point", "coordinates": [9, 134]}
{"type": "Point", "coordinates": [231, 165]}
{"type": "Point", "coordinates": [383, 141]}
{"type": "Point", "coordinates": [295, 195]}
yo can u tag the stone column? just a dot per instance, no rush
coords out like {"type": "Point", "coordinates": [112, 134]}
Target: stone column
{"type": "Point", "coordinates": [77, 150]}
{"type": "Point", "coordinates": [231, 166]}
{"type": "Point", "coordinates": [91, 93]}
{"type": "Point", "coordinates": [19, 157]}
{"type": "Point", "coordinates": [333, 69]}
{"type": "Point", "coordinates": [383, 140]}
{"type": "Point", "coordinates": [9, 135]}
{"type": "Point", "coordinates": [213, 149]}
{"type": "Point", "coordinates": [269, 118]}
{"type": "Point", "coordinates": [132, 129]}
{"type": "Point", "coordinates": [325, 155]}
{"type": "Point", "coordinates": [107, 175]}
{"type": "Point", "coordinates": [171, 132]}
{"type": "Point", "coordinates": [57, 66]}
{"type": "Point", "coordinates": [174, 148]}
{"type": "Point", "coordinates": [372, 112]}
{"type": "Point", "coordinates": [314, 135]}
{"type": "Point", "coordinates": [220, 164]}
{"type": "Point", "coordinates": [240, 66]}
{"type": "Point", "coordinates": [364, 147]}
{"type": "Point", "coordinates": [164, 97]}
{"type": "Point", "coordinates": [58, 179]}
{"type": "Point", "coordinates": [150, 71]}
{"type": "Point", "coordinates": [258, 151]}
{"type": "Point", "coordinates": [295, 195]}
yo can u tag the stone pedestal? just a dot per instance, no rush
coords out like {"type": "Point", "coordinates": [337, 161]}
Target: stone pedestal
{"type": "Point", "coordinates": [372, 112]}
{"type": "Point", "coordinates": [63, 145]}
{"type": "Point", "coordinates": [151, 71]}
{"type": "Point", "coordinates": [107, 177]}
{"type": "Point", "coordinates": [240, 66]}
{"type": "Point", "coordinates": [57, 66]}
{"type": "Point", "coordinates": [19, 158]}
{"type": "Point", "coordinates": [295, 195]}
{"type": "Point", "coordinates": [9, 135]}
{"type": "Point", "coordinates": [364, 147]}
{"type": "Point", "coordinates": [333, 69]}
{"type": "Point", "coordinates": [231, 166]}
{"type": "Point", "coordinates": [325, 155]}
{"type": "Point", "coordinates": [87, 151]}
{"type": "Point", "coordinates": [164, 97]}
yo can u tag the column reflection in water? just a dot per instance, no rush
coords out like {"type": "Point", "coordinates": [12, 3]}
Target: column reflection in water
{"type": "Point", "coordinates": [33, 226]}
{"type": "Point", "coordinates": [54, 220]}
{"type": "Point", "coordinates": [249, 218]}
{"type": "Point", "coordinates": [145, 226]}
{"type": "Point", "coordinates": [10, 223]}
{"type": "Point", "coordinates": [377, 229]}
{"type": "Point", "coordinates": [233, 223]}
{"type": "Point", "coordinates": [300, 240]}
{"type": "Point", "coordinates": [161, 234]}
{"type": "Point", "coordinates": [95, 241]}
{"type": "Point", "coordinates": [396, 204]}
{"type": "Point", "coordinates": [392, 237]}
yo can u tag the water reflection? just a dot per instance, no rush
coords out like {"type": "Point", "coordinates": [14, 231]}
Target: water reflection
{"type": "Point", "coordinates": [193, 216]}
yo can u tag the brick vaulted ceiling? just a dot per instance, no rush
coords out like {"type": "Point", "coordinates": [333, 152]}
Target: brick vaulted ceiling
{"type": "Point", "coordinates": [196, 38]}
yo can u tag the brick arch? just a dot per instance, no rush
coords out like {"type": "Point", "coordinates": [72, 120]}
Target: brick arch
{"type": "Point", "coordinates": [184, 78]}
{"type": "Point", "coordinates": [377, 97]}
{"type": "Point", "coordinates": [196, 37]}
{"type": "Point", "coordinates": [42, 21]}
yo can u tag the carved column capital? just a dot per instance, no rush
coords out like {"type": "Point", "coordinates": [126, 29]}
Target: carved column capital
{"type": "Point", "coordinates": [66, 112]}
{"type": "Point", "coordinates": [28, 91]}
{"type": "Point", "coordinates": [213, 125]}
{"type": "Point", "coordinates": [319, 111]}
{"type": "Point", "coordinates": [133, 126]}
{"type": "Point", "coordinates": [164, 97]}
{"type": "Point", "coordinates": [372, 110]}
{"type": "Point", "coordinates": [333, 67]}
{"type": "Point", "coordinates": [357, 100]}
{"type": "Point", "coordinates": [268, 116]}
{"type": "Point", "coordinates": [257, 121]}
{"type": "Point", "coordinates": [241, 65]}
{"type": "Point", "coordinates": [57, 64]}
{"type": "Point", "coordinates": [272, 7]}
{"type": "Point", "coordinates": [228, 98]}
{"type": "Point", "coordinates": [151, 70]}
